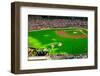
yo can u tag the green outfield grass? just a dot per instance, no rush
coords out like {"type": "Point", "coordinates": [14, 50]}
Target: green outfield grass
{"type": "Point", "coordinates": [60, 41]}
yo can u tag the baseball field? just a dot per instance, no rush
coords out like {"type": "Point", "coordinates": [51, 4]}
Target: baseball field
{"type": "Point", "coordinates": [72, 40]}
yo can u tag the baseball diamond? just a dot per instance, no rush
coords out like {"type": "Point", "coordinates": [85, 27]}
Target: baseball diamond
{"type": "Point", "coordinates": [59, 41]}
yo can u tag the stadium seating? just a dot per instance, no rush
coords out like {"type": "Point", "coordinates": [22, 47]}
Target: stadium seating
{"type": "Point", "coordinates": [40, 23]}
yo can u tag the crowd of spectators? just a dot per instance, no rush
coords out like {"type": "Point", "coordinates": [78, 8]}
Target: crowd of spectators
{"type": "Point", "coordinates": [42, 23]}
